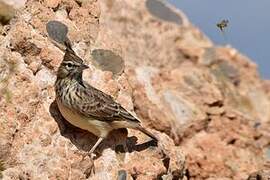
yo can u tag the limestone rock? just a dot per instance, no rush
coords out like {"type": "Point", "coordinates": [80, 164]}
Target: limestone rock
{"type": "Point", "coordinates": [206, 104]}
{"type": "Point", "coordinates": [263, 175]}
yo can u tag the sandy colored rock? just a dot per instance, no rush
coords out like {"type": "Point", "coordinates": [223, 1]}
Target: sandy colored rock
{"type": "Point", "coordinates": [52, 3]}
{"type": "Point", "coordinates": [206, 104]}
{"type": "Point", "coordinates": [262, 174]}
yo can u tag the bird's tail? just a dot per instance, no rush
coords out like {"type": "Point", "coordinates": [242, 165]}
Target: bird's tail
{"type": "Point", "coordinates": [148, 133]}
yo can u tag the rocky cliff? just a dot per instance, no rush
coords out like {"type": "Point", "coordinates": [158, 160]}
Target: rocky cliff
{"type": "Point", "coordinates": [207, 104]}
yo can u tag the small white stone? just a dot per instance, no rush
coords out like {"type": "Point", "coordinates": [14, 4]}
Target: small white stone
{"type": "Point", "coordinates": [44, 78]}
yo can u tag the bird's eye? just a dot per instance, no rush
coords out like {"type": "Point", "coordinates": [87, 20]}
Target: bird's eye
{"type": "Point", "coordinates": [69, 65]}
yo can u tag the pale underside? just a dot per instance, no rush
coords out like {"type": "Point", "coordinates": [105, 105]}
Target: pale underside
{"type": "Point", "coordinates": [97, 127]}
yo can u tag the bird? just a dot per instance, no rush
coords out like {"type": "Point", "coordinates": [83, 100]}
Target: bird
{"type": "Point", "coordinates": [87, 107]}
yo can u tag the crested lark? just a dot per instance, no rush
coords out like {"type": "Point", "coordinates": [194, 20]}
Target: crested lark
{"type": "Point", "coordinates": [87, 107]}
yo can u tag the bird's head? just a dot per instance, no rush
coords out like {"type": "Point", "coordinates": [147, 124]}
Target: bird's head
{"type": "Point", "coordinates": [72, 66]}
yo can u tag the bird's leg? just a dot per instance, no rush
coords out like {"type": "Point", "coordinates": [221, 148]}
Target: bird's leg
{"type": "Point", "coordinates": [93, 148]}
{"type": "Point", "coordinates": [90, 153]}
{"type": "Point", "coordinates": [96, 145]}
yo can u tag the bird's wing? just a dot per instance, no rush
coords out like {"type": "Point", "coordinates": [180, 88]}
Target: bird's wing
{"type": "Point", "coordinates": [101, 106]}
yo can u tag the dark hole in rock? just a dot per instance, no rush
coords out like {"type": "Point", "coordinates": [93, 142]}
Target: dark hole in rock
{"type": "Point", "coordinates": [166, 162]}
{"type": "Point", "coordinates": [258, 177]}
{"type": "Point", "coordinates": [108, 61]}
{"type": "Point", "coordinates": [68, 9]}
{"type": "Point", "coordinates": [255, 176]}
{"type": "Point", "coordinates": [257, 137]}
{"type": "Point", "coordinates": [218, 103]}
{"type": "Point", "coordinates": [161, 11]}
{"type": "Point", "coordinates": [79, 2]}
{"type": "Point", "coordinates": [57, 31]}
{"type": "Point", "coordinates": [122, 175]}
{"type": "Point", "coordinates": [134, 176]}
{"type": "Point", "coordinates": [56, 8]}
{"type": "Point", "coordinates": [187, 174]}
{"type": "Point", "coordinates": [232, 141]}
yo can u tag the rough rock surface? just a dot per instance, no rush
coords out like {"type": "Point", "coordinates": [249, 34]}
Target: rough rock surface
{"type": "Point", "coordinates": [207, 104]}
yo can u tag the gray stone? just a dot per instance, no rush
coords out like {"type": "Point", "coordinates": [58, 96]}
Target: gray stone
{"type": "Point", "coordinates": [161, 11]}
{"type": "Point", "coordinates": [57, 31]}
{"type": "Point", "coordinates": [122, 175]}
{"type": "Point", "coordinates": [107, 60]}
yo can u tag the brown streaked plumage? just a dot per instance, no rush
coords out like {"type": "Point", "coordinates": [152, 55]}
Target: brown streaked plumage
{"type": "Point", "coordinates": [87, 107]}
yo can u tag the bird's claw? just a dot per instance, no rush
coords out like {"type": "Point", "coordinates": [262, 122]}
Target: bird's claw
{"type": "Point", "coordinates": [91, 169]}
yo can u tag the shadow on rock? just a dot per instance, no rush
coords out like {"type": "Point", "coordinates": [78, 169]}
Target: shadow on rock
{"type": "Point", "coordinates": [84, 140]}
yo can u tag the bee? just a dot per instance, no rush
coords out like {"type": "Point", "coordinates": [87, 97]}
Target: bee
{"type": "Point", "coordinates": [223, 24]}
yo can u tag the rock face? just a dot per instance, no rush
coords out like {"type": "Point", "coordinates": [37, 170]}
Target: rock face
{"type": "Point", "coordinates": [206, 104]}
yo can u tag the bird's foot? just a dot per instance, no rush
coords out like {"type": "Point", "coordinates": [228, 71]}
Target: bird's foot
{"type": "Point", "coordinates": [91, 169]}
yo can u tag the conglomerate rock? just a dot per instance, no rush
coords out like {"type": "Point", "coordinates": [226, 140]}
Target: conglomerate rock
{"type": "Point", "coordinates": [206, 104]}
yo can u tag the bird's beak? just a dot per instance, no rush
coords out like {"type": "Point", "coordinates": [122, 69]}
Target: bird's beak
{"type": "Point", "coordinates": [83, 66]}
